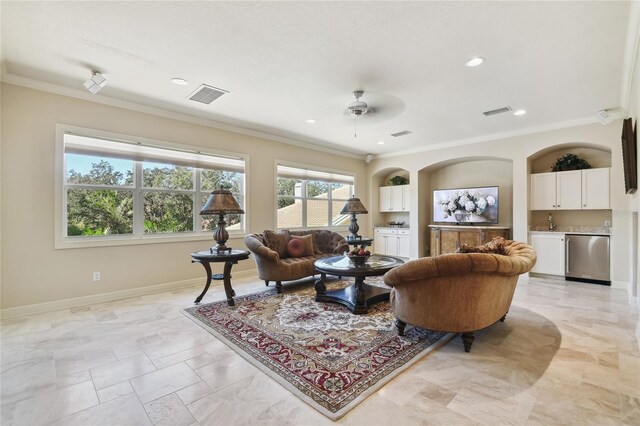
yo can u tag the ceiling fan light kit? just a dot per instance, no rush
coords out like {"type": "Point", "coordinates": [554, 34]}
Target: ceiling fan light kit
{"type": "Point", "coordinates": [358, 107]}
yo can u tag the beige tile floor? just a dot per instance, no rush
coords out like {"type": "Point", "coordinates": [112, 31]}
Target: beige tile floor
{"type": "Point", "coordinates": [567, 354]}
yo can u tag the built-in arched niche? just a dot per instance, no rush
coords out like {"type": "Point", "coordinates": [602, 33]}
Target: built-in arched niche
{"type": "Point", "coordinates": [542, 162]}
{"type": "Point", "coordinates": [382, 178]}
{"type": "Point", "coordinates": [464, 172]}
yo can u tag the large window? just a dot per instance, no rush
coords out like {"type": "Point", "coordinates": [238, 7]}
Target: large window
{"type": "Point", "coordinates": [124, 190]}
{"type": "Point", "coordinates": [311, 199]}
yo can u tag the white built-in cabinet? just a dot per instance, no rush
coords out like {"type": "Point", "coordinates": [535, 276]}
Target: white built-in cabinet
{"type": "Point", "coordinates": [549, 247]}
{"type": "Point", "coordinates": [570, 190]}
{"type": "Point", "coordinates": [391, 242]}
{"type": "Point", "coordinates": [394, 198]}
{"type": "Point", "coordinates": [595, 188]}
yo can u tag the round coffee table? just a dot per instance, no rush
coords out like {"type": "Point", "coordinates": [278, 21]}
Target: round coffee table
{"type": "Point", "coordinates": [360, 296]}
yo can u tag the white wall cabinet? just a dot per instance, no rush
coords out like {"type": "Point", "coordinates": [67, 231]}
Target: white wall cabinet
{"type": "Point", "coordinates": [571, 190]}
{"type": "Point", "coordinates": [595, 188]}
{"type": "Point", "coordinates": [391, 242]}
{"type": "Point", "coordinates": [549, 247]}
{"type": "Point", "coordinates": [394, 198]}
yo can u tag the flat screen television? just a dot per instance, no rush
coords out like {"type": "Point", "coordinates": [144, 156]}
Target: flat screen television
{"type": "Point", "coordinates": [466, 206]}
{"type": "Point", "coordinates": [629, 156]}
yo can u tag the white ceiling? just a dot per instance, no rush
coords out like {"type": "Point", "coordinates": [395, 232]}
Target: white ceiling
{"type": "Point", "coordinates": [285, 62]}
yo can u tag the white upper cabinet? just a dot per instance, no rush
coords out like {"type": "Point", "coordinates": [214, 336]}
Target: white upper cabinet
{"type": "Point", "coordinates": [543, 191]}
{"type": "Point", "coordinates": [394, 198]}
{"type": "Point", "coordinates": [595, 188]}
{"type": "Point", "coordinates": [570, 190]}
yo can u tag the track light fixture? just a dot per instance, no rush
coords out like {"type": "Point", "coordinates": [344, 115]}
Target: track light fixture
{"type": "Point", "coordinates": [95, 83]}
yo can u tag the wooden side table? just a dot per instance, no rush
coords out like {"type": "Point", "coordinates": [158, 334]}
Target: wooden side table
{"type": "Point", "coordinates": [230, 258]}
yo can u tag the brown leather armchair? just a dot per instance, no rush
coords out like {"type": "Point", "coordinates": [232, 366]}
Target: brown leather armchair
{"type": "Point", "coordinates": [458, 292]}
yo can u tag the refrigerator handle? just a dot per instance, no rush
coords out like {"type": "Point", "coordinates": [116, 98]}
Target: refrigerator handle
{"type": "Point", "coordinates": [566, 255]}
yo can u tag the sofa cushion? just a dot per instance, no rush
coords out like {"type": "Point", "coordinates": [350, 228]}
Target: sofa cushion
{"type": "Point", "coordinates": [495, 246]}
{"type": "Point", "coordinates": [308, 243]}
{"type": "Point", "coordinates": [296, 247]}
{"type": "Point", "coordinates": [277, 241]}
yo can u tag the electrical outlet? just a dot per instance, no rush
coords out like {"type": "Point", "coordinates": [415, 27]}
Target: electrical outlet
{"type": "Point", "coordinates": [607, 223]}
{"type": "Point", "coordinates": [96, 276]}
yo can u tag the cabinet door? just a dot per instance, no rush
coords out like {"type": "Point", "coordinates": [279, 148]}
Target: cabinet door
{"type": "Point", "coordinates": [550, 251]}
{"type": "Point", "coordinates": [595, 189]}
{"type": "Point", "coordinates": [403, 245]}
{"type": "Point", "coordinates": [396, 198]}
{"type": "Point", "coordinates": [385, 198]}
{"type": "Point", "coordinates": [471, 238]}
{"type": "Point", "coordinates": [405, 197]}
{"type": "Point", "coordinates": [379, 243]}
{"type": "Point", "coordinates": [490, 234]}
{"type": "Point", "coordinates": [392, 244]}
{"type": "Point", "coordinates": [543, 191]}
{"type": "Point", "coordinates": [569, 190]}
{"type": "Point", "coordinates": [448, 241]}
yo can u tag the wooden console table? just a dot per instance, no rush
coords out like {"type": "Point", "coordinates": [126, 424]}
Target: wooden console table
{"type": "Point", "coordinates": [447, 238]}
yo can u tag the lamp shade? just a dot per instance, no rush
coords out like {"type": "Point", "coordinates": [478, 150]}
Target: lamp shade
{"type": "Point", "coordinates": [221, 201]}
{"type": "Point", "coordinates": [354, 205]}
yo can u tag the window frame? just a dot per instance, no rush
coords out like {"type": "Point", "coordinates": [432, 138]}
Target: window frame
{"type": "Point", "coordinates": [304, 198]}
{"type": "Point", "coordinates": [63, 241]}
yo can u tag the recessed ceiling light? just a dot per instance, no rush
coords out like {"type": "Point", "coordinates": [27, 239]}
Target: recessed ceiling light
{"type": "Point", "coordinates": [474, 62]}
{"type": "Point", "coordinates": [520, 112]}
{"type": "Point", "coordinates": [381, 143]}
{"type": "Point", "coordinates": [179, 81]}
{"type": "Point", "coordinates": [310, 121]}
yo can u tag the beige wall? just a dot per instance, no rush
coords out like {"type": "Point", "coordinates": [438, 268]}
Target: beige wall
{"type": "Point", "coordinates": [34, 272]}
{"type": "Point", "coordinates": [520, 151]}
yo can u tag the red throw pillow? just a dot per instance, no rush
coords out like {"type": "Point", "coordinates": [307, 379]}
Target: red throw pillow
{"type": "Point", "coordinates": [296, 247]}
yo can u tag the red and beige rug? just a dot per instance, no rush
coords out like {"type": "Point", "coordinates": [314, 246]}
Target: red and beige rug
{"type": "Point", "coordinates": [322, 353]}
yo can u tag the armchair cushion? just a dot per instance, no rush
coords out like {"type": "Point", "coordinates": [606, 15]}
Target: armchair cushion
{"type": "Point", "coordinates": [495, 246]}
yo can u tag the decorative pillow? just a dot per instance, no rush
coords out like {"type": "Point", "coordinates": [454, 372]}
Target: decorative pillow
{"type": "Point", "coordinates": [308, 243]}
{"type": "Point", "coordinates": [495, 246]}
{"type": "Point", "coordinates": [296, 247]}
{"type": "Point", "coordinates": [277, 241]}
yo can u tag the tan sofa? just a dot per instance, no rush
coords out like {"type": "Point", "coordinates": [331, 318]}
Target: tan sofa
{"type": "Point", "coordinates": [273, 267]}
{"type": "Point", "coordinates": [458, 292]}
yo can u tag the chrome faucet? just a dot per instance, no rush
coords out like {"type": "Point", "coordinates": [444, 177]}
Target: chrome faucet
{"type": "Point", "coordinates": [551, 224]}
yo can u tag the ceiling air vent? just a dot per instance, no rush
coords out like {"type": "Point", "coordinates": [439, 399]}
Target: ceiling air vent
{"type": "Point", "coordinates": [206, 94]}
{"type": "Point", "coordinates": [497, 111]}
{"type": "Point", "coordinates": [402, 133]}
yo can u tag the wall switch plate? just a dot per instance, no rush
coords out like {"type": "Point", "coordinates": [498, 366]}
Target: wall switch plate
{"type": "Point", "coordinates": [96, 276]}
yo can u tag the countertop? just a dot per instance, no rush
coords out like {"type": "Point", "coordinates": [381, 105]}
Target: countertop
{"type": "Point", "coordinates": [588, 230]}
{"type": "Point", "coordinates": [391, 227]}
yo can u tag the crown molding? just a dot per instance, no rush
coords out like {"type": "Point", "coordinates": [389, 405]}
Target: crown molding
{"type": "Point", "coordinates": [495, 136]}
{"type": "Point", "coordinates": [160, 112]}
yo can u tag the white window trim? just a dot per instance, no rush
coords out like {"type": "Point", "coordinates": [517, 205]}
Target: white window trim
{"type": "Point", "coordinates": [339, 229]}
{"type": "Point", "coordinates": [64, 242]}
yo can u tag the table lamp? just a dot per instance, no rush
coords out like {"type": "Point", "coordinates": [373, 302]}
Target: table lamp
{"type": "Point", "coordinates": [354, 206]}
{"type": "Point", "coordinates": [221, 202]}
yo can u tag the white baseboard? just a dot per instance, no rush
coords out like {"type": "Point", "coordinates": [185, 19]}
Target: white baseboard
{"type": "Point", "coordinates": [74, 302]}
{"type": "Point", "coordinates": [621, 285]}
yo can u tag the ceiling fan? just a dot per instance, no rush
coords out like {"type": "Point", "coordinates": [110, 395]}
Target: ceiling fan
{"type": "Point", "coordinates": [358, 107]}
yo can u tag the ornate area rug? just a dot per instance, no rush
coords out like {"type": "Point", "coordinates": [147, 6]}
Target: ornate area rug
{"type": "Point", "coordinates": [322, 353]}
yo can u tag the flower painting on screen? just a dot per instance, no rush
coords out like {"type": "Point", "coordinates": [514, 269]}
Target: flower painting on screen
{"type": "Point", "coordinates": [466, 205]}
